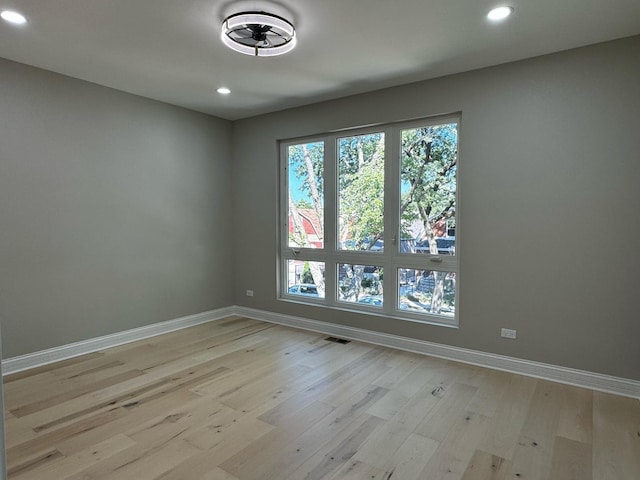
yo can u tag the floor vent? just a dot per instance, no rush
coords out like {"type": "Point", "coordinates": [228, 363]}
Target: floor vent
{"type": "Point", "coordinates": [337, 340]}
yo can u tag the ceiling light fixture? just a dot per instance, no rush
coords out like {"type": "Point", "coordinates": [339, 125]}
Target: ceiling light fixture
{"type": "Point", "coordinates": [259, 34]}
{"type": "Point", "coordinates": [499, 13]}
{"type": "Point", "coordinates": [223, 91]}
{"type": "Point", "coordinates": [13, 17]}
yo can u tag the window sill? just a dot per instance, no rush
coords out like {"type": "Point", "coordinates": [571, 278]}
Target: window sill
{"type": "Point", "coordinates": [425, 319]}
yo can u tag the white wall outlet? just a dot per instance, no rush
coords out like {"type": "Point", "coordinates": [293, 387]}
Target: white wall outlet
{"type": "Point", "coordinates": [249, 293]}
{"type": "Point", "coordinates": [507, 333]}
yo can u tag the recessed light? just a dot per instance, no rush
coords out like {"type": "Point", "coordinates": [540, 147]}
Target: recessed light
{"type": "Point", "coordinates": [499, 13]}
{"type": "Point", "coordinates": [13, 17]}
{"type": "Point", "coordinates": [224, 91]}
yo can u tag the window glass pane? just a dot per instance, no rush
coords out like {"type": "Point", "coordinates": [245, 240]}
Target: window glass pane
{"type": "Point", "coordinates": [306, 189]}
{"type": "Point", "coordinates": [361, 192]}
{"type": "Point", "coordinates": [428, 169]}
{"type": "Point", "coordinates": [360, 284]}
{"type": "Point", "coordinates": [305, 278]}
{"type": "Point", "coordinates": [427, 291]}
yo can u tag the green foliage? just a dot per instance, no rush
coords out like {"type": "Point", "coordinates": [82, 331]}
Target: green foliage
{"type": "Point", "coordinates": [361, 196]}
{"type": "Point", "coordinates": [354, 151]}
{"type": "Point", "coordinates": [428, 174]}
{"type": "Point", "coordinates": [304, 203]}
{"type": "Point", "coordinates": [449, 295]}
{"type": "Point", "coordinates": [307, 277]}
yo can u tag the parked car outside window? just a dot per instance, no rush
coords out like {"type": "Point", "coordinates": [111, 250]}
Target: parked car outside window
{"type": "Point", "coordinates": [376, 301]}
{"type": "Point", "coordinates": [446, 246]}
{"type": "Point", "coordinates": [304, 289]}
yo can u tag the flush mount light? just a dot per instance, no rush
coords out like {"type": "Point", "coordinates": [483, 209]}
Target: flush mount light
{"type": "Point", "coordinates": [223, 91]}
{"type": "Point", "coordinates": [13, 17]}
{"type": "Point", "coordinates": [259, 34]}
{"type": "Point", "coordinates": [499, 13]}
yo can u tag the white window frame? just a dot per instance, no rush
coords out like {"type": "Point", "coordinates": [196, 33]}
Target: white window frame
{"type": "Point", "coordinates": [391, 259]}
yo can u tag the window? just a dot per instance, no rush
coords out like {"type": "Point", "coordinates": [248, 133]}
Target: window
{"type": "Point", "coordinates": [369, 220]}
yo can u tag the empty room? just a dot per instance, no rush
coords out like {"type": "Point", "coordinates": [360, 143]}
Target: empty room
{"type": "Point", "coordinates": [303, 240]}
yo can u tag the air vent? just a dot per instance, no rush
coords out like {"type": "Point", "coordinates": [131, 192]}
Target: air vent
{"type": "Point", "coordinates": [337, 340]}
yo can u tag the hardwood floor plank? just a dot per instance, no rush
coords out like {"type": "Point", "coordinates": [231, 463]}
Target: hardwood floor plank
{"type": "Point", "coordinates": [576, 415]}
{"type": "Point", "coordinates": [338, 451]}
{"type": "Point", "coordinates": [264, 363]}
{"type": "Point", "coordinates": [144, 409]}
{"type": "Point", "coordinates": [484, 466]}
{"type": "Point", "coordinates": [502, 436]}
{"type": "Point", "coordinates": [34, 462]}
{"type": "Point", "coordinates": [616, 437]}
{"type": "Point", "coordinates": [25, 374]}
{"type": "Point", "coordinates": [355, 470]}
{"type": "Point", "coordinates": [222, 442]}
{"type": "Point", "coordinates": [270, 385]}
{"type": "Point", "coordinates": [69, 415]}
{"type": "Point", "coordinates": [199, 467]}
{"type": "Point", "coordinates": [456, 449]}
{"type": "Point", "coordinates": [43, 443]}
{"type": "Point", "coordinates": [20, 431]}
{"type": "Point", "coordinates": [274, 460]}
{"type": "Point", "coordinates": [223, 427]}
{"type": "Point", "coordinates": [492, 387]}
{"type": "Point", "coordinates": [180, 422]}
{"type": "Point", "coordinates": [454, 453]}
{"type": "Point", "coordinates": [185, 378]}
{"type": "Point", "coordinates": [63, 467]}
{"type": "Point", "coordinates": [354, 380]}
{"type": "Point", "coordinates": [365, 368]}
{"type": "Point", "coordinates": [411, 458]}
{"type": "Point", "coordinates": [399, 371]}
{"type": "Point", "coordinates": [138, 462]}
{"type": "Point", "coordinates": [18, 393]}
{"type": "Point", "coordinates": [534, 451]}
{"type": "Point", "coordinates": [88, 367]}
{"type": "Point", "coordinates": [388, 405]}
{"type": "Point", "coordinates": [381, 447]}
{"type": "Point", "coordinates": [437, 423]}
{"type": "Point", "coordinates": [571, 460]}
{"type": "Point", "coordinates": [71, 393]}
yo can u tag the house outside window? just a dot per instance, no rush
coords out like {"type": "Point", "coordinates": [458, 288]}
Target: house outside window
{"type": "Point", "coordinates": [368, 220]}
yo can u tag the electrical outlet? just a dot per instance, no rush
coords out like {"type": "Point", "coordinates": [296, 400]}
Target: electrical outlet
{"type": "Point", "coordinates": [508, 333]}
{"type": "Point", "coordinates": [249, 293]}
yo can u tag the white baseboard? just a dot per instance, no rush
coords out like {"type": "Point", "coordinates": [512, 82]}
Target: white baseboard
{"type": "Point", "coordinates": [570, 376]}
{"type": "Point", "coordinates": [64, 352]}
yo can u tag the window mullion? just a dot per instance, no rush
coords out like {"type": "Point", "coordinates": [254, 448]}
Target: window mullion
{"type": "Point", "coordinates": [391, 220]}
{"type": "Point", "coordinates": [330, 219]}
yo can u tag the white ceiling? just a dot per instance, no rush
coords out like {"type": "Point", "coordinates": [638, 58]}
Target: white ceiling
{"type": "Point", "coordinates": [170, 50]}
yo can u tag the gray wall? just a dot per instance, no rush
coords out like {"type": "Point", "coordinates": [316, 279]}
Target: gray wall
{"type": "Point", "coordinates": [114, 210]}
{"type": "Point", "coordinates": [549, 197]}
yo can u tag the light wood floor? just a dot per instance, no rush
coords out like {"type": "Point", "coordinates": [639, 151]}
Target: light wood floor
{"type": "Point", "coordinates": [244, 400]}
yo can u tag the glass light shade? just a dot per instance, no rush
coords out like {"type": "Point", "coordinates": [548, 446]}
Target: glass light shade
{"type": "Point", "coordinates": [235, 21]}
